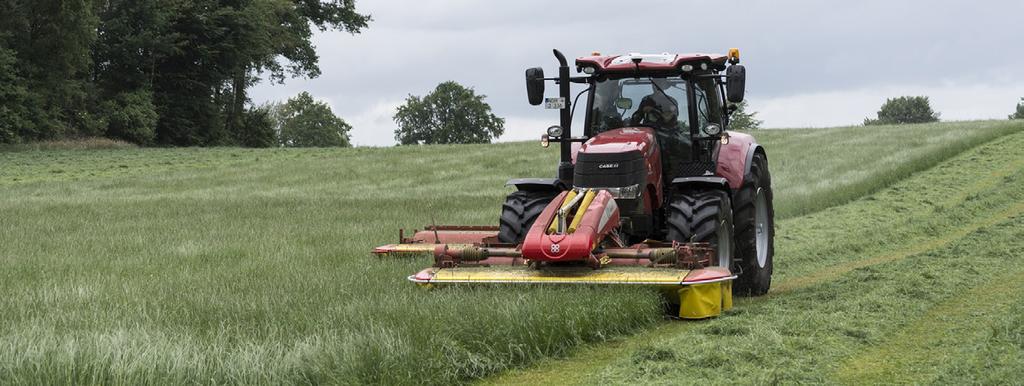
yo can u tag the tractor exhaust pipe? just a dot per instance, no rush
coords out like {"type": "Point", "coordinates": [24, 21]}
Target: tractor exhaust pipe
{"type": "Point", "coordinates": [535, 91]}
{"type": "Point", "coordinates": [565, 167]}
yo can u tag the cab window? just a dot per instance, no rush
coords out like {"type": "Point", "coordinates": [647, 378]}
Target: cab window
{"type": "Point", "coordinates": [708, 107]}
{"type": "Point", "coordinates": [660, 103]}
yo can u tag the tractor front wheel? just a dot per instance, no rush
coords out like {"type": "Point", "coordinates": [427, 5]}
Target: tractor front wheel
{"type": "Point", "coordinates": [703, 216]}
{"type": "Point", "coordinates": [520, 210]}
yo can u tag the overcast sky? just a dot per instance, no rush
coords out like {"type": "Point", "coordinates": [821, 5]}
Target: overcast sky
{"type": "Point", "coordinates": [809, 63]}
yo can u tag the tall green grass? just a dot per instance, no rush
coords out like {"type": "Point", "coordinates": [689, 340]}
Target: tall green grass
{"type": "Point", "coordinates": [252, 266]}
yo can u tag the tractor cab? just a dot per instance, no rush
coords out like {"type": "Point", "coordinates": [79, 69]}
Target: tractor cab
{"type": "Point", "coordinates": [681, 98]}
{"type": "Point", "coordinates": [672, 105]}
{"type": "Point", "coordinates": [662, 105]}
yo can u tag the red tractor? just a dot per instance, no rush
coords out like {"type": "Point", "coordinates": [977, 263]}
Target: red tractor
{"type": "Point", "coordinates": [655, 192]}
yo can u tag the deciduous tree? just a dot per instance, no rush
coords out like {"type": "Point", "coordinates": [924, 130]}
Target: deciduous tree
{"type": "Point", "coordinates": [15, 116]}
{"type": "Point", "coordinates": [305, 122]}
{"type": "Point", "coordinates": [50, 41]}
{"type": "Point", "coordinates": [905, 109]}
{"type": "Point", "coordinates": [73, 61]}
{"type": "Point", "coordinates": [740, 119]}
{"type": "Point", "coordinates": [1019, 114]}
{"type": "Point", "coordinates": [257, 129]}
{"type": "Point", "coordinates": [450, 114]}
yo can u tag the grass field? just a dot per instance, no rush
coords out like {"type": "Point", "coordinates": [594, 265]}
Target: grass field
{"type": "Point", "coordinates": [251, 266]}
{"type": "Point", "coordinates": [919, 283]}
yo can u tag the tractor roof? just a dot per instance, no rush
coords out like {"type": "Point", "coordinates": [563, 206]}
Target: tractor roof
{"type": "Point", "coordinates": [663, 62]}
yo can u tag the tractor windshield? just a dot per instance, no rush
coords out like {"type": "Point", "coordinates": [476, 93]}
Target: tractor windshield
{"type": "Point", "coordinates": [655, 102]}
{"type": "Point", "coordinates": [659, 103]}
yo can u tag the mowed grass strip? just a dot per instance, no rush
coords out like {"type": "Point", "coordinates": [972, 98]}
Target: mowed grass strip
{"type": "Point", "coordinates": [805, 336]}
{"type": "Point", "coordinates": [252, 266]}
{"type": "Point", "coordinates": [954, 341]}
{"type": "Point", "coordinates": [813, 169]}
{"type": "Point", "coordinates": [927, 215]}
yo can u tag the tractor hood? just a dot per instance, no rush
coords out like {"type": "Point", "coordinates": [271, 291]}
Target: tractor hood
{"type": "Point", "coordinates": [640, 140]}
{"type": "Point", "coordinates": [617, 158]}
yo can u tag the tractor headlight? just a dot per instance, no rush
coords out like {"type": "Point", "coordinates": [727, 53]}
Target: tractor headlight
{"type": "Point", "coordinates": [626, 192]}
{"type": "Point", "coordinates": [589, 70]}
{"type": "Point", "coordinates": [712, 130]}
{"type": "Point", "coordinates": [555, 131]}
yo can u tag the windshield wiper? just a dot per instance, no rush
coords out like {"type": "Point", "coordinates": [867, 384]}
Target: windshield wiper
{"type": "Point", "coordinates": [653, 83]}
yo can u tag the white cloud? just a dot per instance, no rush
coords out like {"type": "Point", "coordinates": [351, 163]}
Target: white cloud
{"type": "Point", "coordinates": [374, 126]}
{"type": "Point", "coordinates": [519, 128]}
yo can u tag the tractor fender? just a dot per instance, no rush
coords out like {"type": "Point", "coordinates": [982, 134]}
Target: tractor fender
{"type": "Point", "coordinates": [706, 182]}
{"type": "Point", "coordinates": [753, 149]}
{"type": "Point", "coordinates": [734, 158]}
{"type": "Point", "coordinates": [537, 184]}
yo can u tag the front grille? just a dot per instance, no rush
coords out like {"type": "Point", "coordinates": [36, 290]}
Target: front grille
{"type": "Point", "coordinates": [695, 169]}
{"type": "Point", "coordinates": [608, 170]}
{"type": "Point", "coordinates": [622, 166]}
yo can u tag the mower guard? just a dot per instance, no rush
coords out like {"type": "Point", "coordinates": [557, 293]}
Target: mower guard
{"type": "Point", "coordinates": [571, 275]}
{"type": "Point", "coordinates": [700, 293]}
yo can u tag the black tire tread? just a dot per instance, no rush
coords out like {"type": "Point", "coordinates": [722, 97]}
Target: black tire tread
{"type": "Point", "coordinates": [692, 216]}
{"type": "Point", "coordinates": [518, 213]}
{"type": "Point", "coordinates": [753, 280]}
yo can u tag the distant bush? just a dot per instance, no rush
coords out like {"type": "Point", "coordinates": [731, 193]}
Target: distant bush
{"type": "Point", "coordinates": [305, 122]}
{"type": "Point", "coordinates": [905, 109]}
{"type": "Point", "coordinates": [89, 123]}
{"type": "Point", "coordinates": [258, 128]}
{"type": "Point", "coordinates": [740, 119]}
{"type": "Point", "coordinates": [1019, 114]}
{"type": "Point", "coordinates": [130, 116]}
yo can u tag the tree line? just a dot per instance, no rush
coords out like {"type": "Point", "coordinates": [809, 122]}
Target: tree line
{"type": "Point", "coordinates": [161, 72]}
{"type": "Point", "coordinates": [177, 72]}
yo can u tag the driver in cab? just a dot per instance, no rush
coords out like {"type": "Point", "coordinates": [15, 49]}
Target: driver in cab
{"type": "Point", "coordinates": [661, 111]}
{"type": "Point", "coordinates": [658, 109]}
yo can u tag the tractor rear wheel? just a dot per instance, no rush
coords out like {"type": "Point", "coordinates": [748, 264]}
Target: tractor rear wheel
{"type": "Point", "coordinates": [703, 216]}
{"type": "Point", "coordinates": [755, 230]}
{"type": "Point", "coordinates": [520, 210]}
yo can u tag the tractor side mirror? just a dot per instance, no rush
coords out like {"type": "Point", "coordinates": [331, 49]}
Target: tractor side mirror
{"type": "Point", "coordinates": [535, 85]}
{"type": "Point", "coordinates": [736, 83]}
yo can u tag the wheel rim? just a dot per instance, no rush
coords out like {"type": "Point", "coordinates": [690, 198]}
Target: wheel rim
{"type": "Point", "coordinates": [761, 227]}
{"type": "Point", "coordinates": [724, 241]}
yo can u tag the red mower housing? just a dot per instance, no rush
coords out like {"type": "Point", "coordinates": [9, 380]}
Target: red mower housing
{"type": "Point", "coordinates": [599, 218]}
